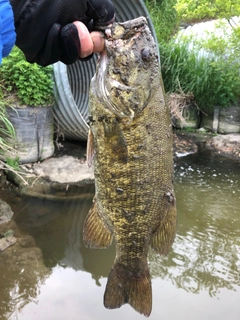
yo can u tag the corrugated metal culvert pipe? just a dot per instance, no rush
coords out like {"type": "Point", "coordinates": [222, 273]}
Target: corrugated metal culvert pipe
{"type": "Point", "coordinates": [72, 83]}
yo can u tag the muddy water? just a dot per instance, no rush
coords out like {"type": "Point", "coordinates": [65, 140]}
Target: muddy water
{"type": "Point", "coordinates": [199, 279]}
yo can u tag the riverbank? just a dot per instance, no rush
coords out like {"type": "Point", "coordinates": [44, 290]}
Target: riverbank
{"type": "Point", "coordinates": [66, 176]}
{"type": "Point", "coordinates": [207, 190]}
{"type": "Point", "coordinates": [66, 171]}
{"type": "Point", "coordinates": [191, 142]}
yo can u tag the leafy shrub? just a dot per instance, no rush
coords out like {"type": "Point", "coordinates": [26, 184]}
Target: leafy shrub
{"type": "Point", "coordinates": [192, 10]}
{"type": "Point", "coordinates": [30, 83]}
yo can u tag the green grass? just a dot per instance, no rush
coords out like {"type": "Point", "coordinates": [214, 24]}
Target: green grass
{"type": "Point", "coordinates": [6, 129]}
{"type": "Point", "coordinates": [213, 81]}
{"type": "Point", "coordinates": [164, 18]}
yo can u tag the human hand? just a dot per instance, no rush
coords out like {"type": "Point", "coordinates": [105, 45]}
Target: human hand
{"type": "Point", "coordinates": [89, 42]}
{"type": "Point", "coordinates": [50, 30]}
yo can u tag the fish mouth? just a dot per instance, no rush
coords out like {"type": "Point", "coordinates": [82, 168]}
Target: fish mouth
{"type": "Point", "coordinates": [127, 29]}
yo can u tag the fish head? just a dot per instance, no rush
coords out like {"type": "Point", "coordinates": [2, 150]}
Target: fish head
{"type": "Point", "coordinates": [126, 68]}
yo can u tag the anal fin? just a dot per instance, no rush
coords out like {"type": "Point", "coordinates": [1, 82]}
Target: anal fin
{"type": "Point", "coordinates": [163, 237]}
{"type": "Point", "coordinates": [95, 232]}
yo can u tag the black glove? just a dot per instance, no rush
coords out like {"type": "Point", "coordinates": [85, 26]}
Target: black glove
{"type": "Point", "coordinates": [44, 28]}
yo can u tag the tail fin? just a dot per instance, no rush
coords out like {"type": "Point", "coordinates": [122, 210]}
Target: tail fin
{"type": "Point", "coordinates": [129, 285]}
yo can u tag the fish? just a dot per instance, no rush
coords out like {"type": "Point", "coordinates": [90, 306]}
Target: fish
{"type": "Point", "coordinates": [130, 146]}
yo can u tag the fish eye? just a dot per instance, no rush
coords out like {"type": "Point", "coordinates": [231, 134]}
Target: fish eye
{"type": "Point", "coordinates": [146, 54]}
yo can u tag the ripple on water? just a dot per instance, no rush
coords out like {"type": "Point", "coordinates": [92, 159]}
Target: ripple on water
{"type": "Point", "coordinates": [204, 260]}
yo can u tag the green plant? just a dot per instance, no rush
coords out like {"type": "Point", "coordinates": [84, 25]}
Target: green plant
{"type": "Point", "coordinates": [29, 83]}
{"type": "Point", "coordinates": [211, 75]}
{"type": "Point", "coordinates": [189, 129]}
{"type": "Point", "coordinates": [193, 11]}
{"type": "Point", "coordinates": [164, 18]}
{"type": "Point", "coordinates": [13, 163]}
{"type": "Point", "coordinates": [6, 129]}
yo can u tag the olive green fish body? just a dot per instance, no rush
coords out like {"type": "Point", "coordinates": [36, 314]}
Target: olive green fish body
{"type": "Point", "coordinates": [133, 163]}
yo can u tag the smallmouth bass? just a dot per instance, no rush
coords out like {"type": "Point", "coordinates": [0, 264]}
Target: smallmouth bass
{"type": "Point", "coordinates": [131, 139]}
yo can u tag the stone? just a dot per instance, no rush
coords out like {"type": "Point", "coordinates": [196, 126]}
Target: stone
{"type": "Point", "coordinates": [6, 213]}
{"type": "Point", "coordinates": [7, 242]}
{"type": "Point", "coordinates": [210, 119]}
{"type": "Point", "coordinates": [66, 169]}
{"type": "Point", "coordinates": [229, 120]}
{"type": "Point", "coordinates": [228, 145]}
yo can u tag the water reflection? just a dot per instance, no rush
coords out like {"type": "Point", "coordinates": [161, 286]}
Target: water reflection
{"type": "Point", "coordinates": [206, 252]}
{"type": "Point", "coordinates": [57, 227]}
{"type": "Point", "coordinates": [205, 256]}
{"type": "Point", "coordinates": [22, 274]}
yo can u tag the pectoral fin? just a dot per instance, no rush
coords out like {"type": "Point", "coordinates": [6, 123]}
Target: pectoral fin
{"type": "Point", "coordinates": [95, 233]}
{"type": "Point", "coordinates": [163, 237]}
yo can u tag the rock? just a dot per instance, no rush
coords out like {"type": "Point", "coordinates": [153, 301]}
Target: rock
{"type": "Point", "coordinates": [210, 120]}
{"type": "Point", "coordinates": [26, 241]}
{"type": "Point", "coordinates": [228, 145]}
{"type": "Point", "coordinates": [9, 233]}
{"type": "Point", "coordinates": [7, 239]}
{"type": "Point", "coordinates": [185, 143]}
{"type": "Point", "coordinates": [201, 130]}
{"type": "Point", "coordinates": [66, 169]}
{"type": "Point", "coordinates": [6, 242]}
{"type": "Point", "coordinates": [222, 120]}
{"type": "Point", "coordinates": [6, 213]}
{"type": "Point", "coordinates": [229, 120]}
{"type": "Point", "coordinates": [3, 178]}
{"type": "Point", "coordinates": [61, 177]}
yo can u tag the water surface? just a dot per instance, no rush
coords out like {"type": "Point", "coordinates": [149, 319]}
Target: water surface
{"type": "Point", "coordinates": [199, 279]}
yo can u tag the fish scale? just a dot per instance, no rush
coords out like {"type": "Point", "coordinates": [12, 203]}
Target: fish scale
{"type": "Point", "coordinates": [130, 141]}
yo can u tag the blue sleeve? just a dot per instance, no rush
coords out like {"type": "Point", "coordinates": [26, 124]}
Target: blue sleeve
{"type": "Point", "coordinates": [7, 29]}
